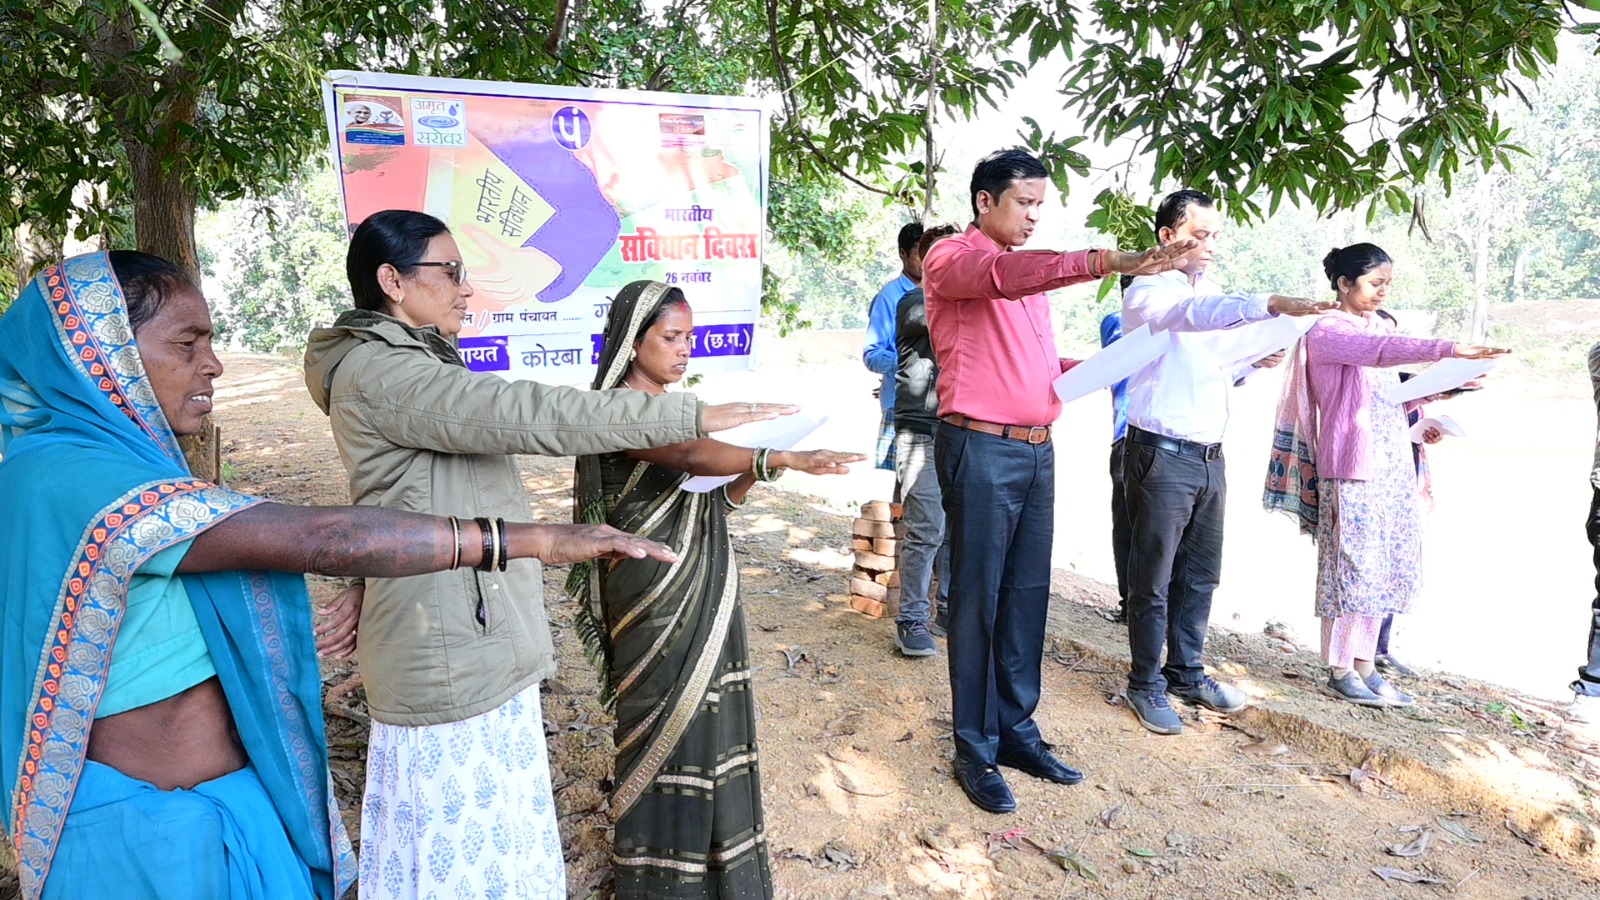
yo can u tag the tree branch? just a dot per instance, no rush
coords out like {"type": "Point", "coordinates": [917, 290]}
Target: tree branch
{"type": "Point", "coordinates": [796, 125]}
{"type": "Point", "coordinates": [558, 28]}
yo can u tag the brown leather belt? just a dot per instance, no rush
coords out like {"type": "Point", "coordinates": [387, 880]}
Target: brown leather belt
{"type": "Point", "coordinates": [1032, 434]}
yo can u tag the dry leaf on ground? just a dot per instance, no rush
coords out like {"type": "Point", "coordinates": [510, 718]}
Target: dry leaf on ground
{"type": "Point", "coordinates": [1388, 874]}
{"type": "Point", "coordinates": [1459, 830]}
{"type": "Point", "coordinates": [1415, 847]}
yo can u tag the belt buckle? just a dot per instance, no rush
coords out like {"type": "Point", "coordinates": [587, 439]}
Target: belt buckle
{"type": "Point", "coordinates": [1038, 434]}
{"type": "Point", "coordinates": [1213, 452]}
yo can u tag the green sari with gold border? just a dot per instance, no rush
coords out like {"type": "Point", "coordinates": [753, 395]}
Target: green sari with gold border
{"type": "Point", "coordinates": [671, 639]}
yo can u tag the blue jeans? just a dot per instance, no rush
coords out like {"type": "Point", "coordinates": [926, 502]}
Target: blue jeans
{"type": "Point", "coordinates": [926, 547]}
{"type": "Point", "coordinates": [999, 504]}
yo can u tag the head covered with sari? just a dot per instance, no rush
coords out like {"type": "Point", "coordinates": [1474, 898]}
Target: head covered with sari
{"type": "Point", "coordinates": [95, 485]}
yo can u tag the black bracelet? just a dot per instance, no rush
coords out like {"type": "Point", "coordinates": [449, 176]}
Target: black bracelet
{"type": "Point", "coordinates": [486, 564]}
{"type": "Point", "coordinates": [505, 543]}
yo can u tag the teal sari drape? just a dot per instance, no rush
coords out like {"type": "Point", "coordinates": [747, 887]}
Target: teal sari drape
{"type": "Point", "coordinates": [94, 485]}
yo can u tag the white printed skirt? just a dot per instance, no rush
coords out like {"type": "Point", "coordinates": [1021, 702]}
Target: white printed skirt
{"type": "Point", "coordinates": [462, 810]}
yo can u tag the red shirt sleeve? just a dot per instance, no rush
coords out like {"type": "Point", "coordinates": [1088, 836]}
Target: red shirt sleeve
{"type": "Point", "coordinates": [966, 272]}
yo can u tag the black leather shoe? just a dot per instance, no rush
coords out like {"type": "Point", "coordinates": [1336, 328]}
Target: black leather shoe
{"type": "Point", "coordinates": [1039, 762]}
{"type": "Point", "coordinates": [985, 787]}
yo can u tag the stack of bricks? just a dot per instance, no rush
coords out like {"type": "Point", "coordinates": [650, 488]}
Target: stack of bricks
{"type": "Point", "coordinates": [875, 538]}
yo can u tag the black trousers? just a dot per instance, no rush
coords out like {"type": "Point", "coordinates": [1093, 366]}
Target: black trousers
{"type": "Point", "coordinates": [1121, 530]}
{"type": "Point", "coordinates": [1589, 676]}
{"type": "Point", "coordinates": [1175, 505]}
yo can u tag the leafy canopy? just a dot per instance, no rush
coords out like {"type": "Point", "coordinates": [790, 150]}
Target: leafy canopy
{"type": "Point", "coordinates": [1333, 102]}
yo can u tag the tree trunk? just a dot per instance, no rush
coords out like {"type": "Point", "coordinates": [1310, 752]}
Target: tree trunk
{"type": "Point", "coordinates": [1519, 274]}
{"type": "Point", "coordinates": [164, 202]}
{"type": "Point", "coordinates": [1480, 259]}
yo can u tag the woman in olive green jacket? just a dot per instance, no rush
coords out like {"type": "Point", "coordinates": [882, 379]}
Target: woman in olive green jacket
{"type": "Point", "coordinates": [458, 794]}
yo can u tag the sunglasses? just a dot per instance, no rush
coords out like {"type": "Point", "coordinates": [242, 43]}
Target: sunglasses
{"type": "Point", "coordinates": [458, 270]}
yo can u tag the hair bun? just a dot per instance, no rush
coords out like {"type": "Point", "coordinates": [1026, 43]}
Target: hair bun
{"type": "Point", "coordinates": [1330, 263]}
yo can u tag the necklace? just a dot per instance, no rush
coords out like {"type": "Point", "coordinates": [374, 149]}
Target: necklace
{"type": "Point", "coordinates": [627, 382]}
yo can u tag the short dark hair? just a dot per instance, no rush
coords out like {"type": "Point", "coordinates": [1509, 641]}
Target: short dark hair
{"type": "Point", "coordinates": [996, 172]}
{"type": "Point", "coordinates": [146, 281]}
{"type": "Point", "coordinates": [398, 237]}
{"type": "Point", "coordinates": [1352, 262]}
{"type": "Point", "coordinates": [932, 236]}
{"type": "Point", "coordinates": [1175, 208]}
{"type": "Point", "coordinates": [910, 233]}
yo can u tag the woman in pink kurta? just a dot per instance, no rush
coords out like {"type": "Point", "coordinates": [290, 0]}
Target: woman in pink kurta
{"type": "Point", "coordinates": [1342, 461]}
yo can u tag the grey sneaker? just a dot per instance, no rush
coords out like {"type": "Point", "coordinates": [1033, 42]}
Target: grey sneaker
{"type": "Point", "coordinates": [1352, 688]}
{"type": "Point", "coordinates": [1154, 712]}
{"type": "Point", "coordinates": [913, 639]}
{"type": "Point", "coordinates": [1389, 664]}
{"type": "Point", "coordinates": [1212, 694]}
{"type": "Point", "coordinates": [1388, 692]}
{"type": "Point", "coordinates": [1585, 710]}
{"type": "Point", "coordinates": [940, 625]}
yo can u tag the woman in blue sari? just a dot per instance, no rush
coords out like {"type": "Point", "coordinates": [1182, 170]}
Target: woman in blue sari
{"type": "Point", "coordinates": [160, 703]}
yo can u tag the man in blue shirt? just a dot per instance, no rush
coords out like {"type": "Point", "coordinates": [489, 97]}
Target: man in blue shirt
{"type": "Point", "coordinates": [881, 354]}
{"type": "Point", "coordinates": [1121, 531]}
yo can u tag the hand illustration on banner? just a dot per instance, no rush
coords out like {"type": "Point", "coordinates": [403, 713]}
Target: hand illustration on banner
{"type": "Point", "coordinates": [504, 274]}
{"type": "Point", "coordinates": [493, 219]}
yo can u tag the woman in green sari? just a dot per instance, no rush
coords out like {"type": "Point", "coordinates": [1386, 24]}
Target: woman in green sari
{"type": "Point", "coordinates": [687, 801]}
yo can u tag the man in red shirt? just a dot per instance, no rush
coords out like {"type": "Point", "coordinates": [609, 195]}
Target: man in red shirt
{"type": "Point", "coordinates": [992, 338]}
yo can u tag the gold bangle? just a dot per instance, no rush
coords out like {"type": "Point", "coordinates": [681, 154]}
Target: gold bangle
{"type": "Point", "coordinates": [455, 533]}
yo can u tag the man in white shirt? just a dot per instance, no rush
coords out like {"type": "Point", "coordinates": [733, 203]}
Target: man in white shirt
{"type": "Point", "coordinates": [1173, 468]}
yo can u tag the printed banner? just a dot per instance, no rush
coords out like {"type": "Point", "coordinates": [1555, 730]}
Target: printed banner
{"type": "Point", "coordinates": [560, 196]}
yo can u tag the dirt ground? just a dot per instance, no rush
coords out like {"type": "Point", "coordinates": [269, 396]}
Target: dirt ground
{"type": "Point", "coordinates": [1476, 793]}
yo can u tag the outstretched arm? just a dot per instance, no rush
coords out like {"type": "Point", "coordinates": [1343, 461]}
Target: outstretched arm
{"type": "Point", "coordinates": [712, 457]}
{"type": "Point", "coordinates": [387, 543]}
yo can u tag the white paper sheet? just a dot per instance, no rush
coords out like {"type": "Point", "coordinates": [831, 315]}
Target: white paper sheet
{"type": "Point", "coordinates": [1444, 375]}
{"type": "Point", "coordinates": [1137, 349]}
{"type": "Point", "coordinates": [1443, 423]}
{"type": "Point", "coordinates": [782, 433]}
{"type": "Point", "coordinates": [1238, 347]}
